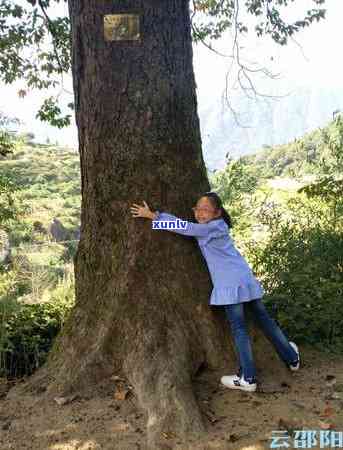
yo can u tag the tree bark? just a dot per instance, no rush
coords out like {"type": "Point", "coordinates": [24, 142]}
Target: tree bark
{"type": "Point", "coordinates": [142, 295]}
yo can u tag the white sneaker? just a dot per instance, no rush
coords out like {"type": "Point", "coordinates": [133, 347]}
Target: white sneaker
{"type": "Point", "coordinates": [236, 382]}
{"type": "Point", "coordinates": [297, 365]}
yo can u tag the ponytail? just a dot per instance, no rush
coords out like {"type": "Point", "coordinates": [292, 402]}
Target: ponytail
{"type": "Point", "coordinates": [226, 217]}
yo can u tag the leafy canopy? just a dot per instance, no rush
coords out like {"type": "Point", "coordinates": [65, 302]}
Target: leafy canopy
{"type": "Point", "coordinates": [35, 44]}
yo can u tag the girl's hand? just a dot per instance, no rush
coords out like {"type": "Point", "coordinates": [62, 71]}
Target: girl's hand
{"type": "Point", "coordinates": [141, 211]}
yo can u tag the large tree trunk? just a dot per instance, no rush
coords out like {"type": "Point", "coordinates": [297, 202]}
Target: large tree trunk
{"type": "Point", "coordinates": [141, 295]}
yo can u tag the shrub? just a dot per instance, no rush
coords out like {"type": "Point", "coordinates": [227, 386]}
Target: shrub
{"type": "Point", "coordinates": [301, 267]}
{"type": "Point", "coordinates": [27, 335]}
{"type": "Point", "coordinates": [27, 331]}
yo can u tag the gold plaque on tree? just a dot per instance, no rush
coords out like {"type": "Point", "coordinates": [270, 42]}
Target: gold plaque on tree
{"type": "Point", "coordinates": [121, 27]}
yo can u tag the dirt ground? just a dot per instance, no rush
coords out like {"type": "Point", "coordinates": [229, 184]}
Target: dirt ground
{"type": "Point", "coordinates": [312, 400]}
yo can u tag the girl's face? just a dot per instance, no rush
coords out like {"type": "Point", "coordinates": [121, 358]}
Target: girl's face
{"type": "Point", "coordinates": [204, 211]}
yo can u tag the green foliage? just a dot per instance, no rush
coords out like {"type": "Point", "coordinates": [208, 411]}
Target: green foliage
{"type": "Point", "coordinates": [27, 55]}
{"type": "Point", "coordinates": [69, 252]}
{"type": "Point", "coordinates": [332, 140]}
{"type": "Point", "coordinates": [27, 334]}
{"type": "Point", "coordinates": [8, 285]}
{"type": "Point", "coordinates": [27, 330]}
{"type": "Point", "coordinates": [301, 262]}
{"type": "Point", "coordinates": [328, 188]}
{"type": "Point", "coordinates": [7, 139]}
{"type": "Point", "coordinates": [317, 153]}
{"type": "Point", "coordinates": [38, 284]}
{"type": "Point", "coordinates": [235, 180]}
{"type": "Point", "coordinates": [301, 267]}
{"type": "Point", "coordinates": [29, 26]}
{"type": "Point", "coordinates": [234, 184]}
{"type": "Point", "coordinates": [51, 112]}
{"type": "Point", "coordinates": [25, 138]}
{"type": "Point", "coordinates": [49, 186]}
{"type": "Point", "coordinates": [37, 288]}
{"type": "Point", "coordinates": [21, 232]}
{"type": "Point", "coordinates": [330, 191]}
{"type": "Point", "coordinates": [6, 143]}
{"type": "Point", "coordinates": [217, 16]}
{"type": "Point", "coordinates": [294, 239]}
{"type": "Point", "coordinates": [299, 257]}
{"type": "Point", "coordinates": [10, 206]}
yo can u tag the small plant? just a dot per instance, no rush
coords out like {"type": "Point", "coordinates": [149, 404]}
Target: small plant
{"type": "Point", "coordinates": [27, 335]}
{"type": "Point", "coordinates": [301, 268]}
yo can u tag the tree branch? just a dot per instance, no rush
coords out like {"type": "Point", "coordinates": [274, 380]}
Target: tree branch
{"type": "Point", "coordinates": [54, 38]}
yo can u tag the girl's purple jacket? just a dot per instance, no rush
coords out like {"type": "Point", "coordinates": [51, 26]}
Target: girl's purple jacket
{"type": "Point", "coordinates": [232, 278]}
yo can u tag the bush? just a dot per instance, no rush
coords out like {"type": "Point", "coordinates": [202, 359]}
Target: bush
{"type": "Point", "coordinates": [27, 335]}
{"type": "Point", "coordinates": [302, 271]}
{"type": "Point", "coordinates": [27, 331]}
{"type": "Point", "coordinates": [70, 251]}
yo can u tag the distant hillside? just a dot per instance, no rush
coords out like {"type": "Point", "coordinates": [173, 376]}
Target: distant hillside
{"type": "Point", "coordinates": [270, 122]}
{"type": "Point", "coordinates": [50, 180]}
{"type": "Point", "coordinates": [50, 176]}
{"type": "Point", "coordinates": [301, 157]}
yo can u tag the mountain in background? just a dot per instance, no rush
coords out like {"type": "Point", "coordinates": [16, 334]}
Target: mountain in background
{"type": "Point", "coordinates": [272, 122]}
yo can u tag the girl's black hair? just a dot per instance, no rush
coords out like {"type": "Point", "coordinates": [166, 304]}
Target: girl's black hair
{"type": "Point", "coordinates": [217, 203]}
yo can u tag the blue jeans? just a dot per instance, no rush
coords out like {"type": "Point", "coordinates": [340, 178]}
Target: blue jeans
{"type": "Point", "coordinates": [235, 316]}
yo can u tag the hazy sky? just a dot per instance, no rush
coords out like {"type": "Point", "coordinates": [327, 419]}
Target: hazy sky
{"type": "Point", "coordinates": [318, 63]}
{"type": "Point", "coordinates": [313, 61]}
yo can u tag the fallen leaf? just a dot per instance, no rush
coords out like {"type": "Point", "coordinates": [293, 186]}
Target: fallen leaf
{"type": "Point", "coordinates": [328, 411]}
{"type": "Point", "coordinates": [289, 425]}
{"type": "Point", "coordinates": [117, 378]}
{"type": "Point", "coordinates": [168, 434]}
{"type": "Point", "coordinates": [64, 400]}
{"type": "Point", "coordinates": [211, 416]}
{"type": "Point", "coordinates": [330, 380]}
{"type": "Point", "coordinates": [121, 393]}
{"type": "Point", "coordinates": [326, 425]}
{"type": "Point", "coordinates": [298, 404]}
{"type": "Point", "coordinates": [330, 377]}
{"type": "Point", "coordinates": [233, 437]}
